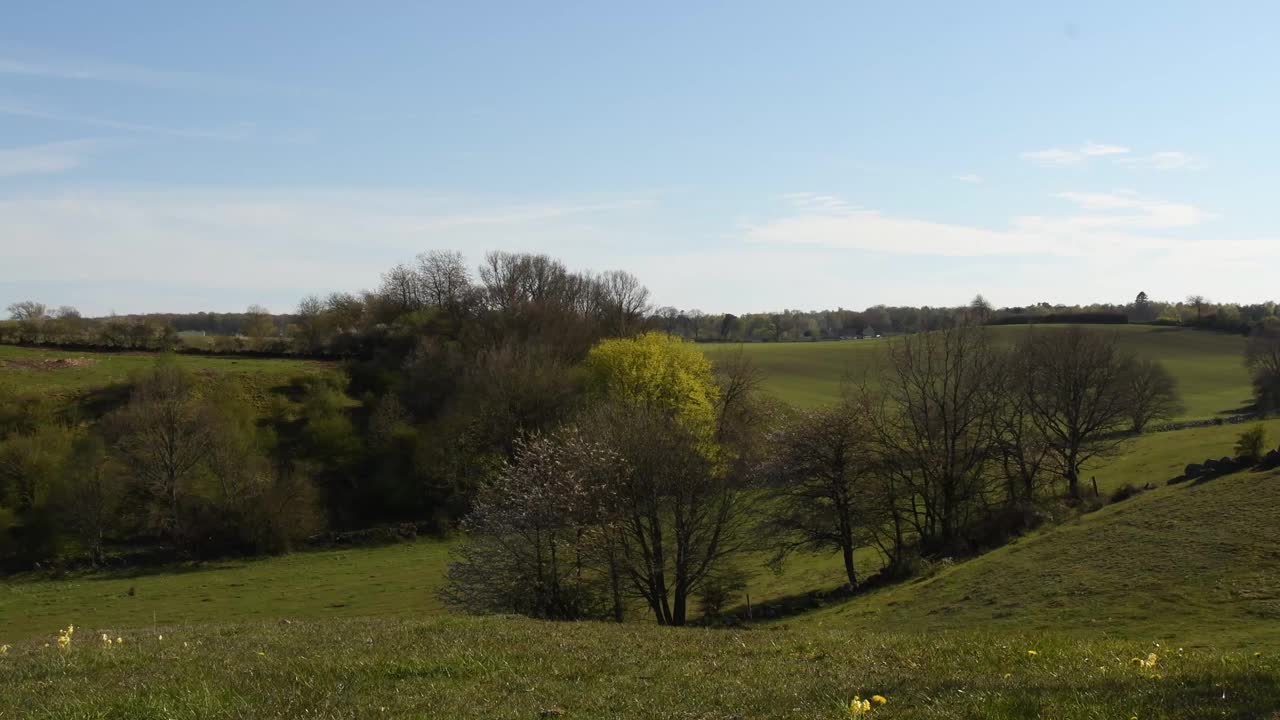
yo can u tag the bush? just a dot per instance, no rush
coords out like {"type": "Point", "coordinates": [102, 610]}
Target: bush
{"type": "Point", "coordinates": [1249, 446]}
{"type": "Point", "coordinates": [1125, 492]}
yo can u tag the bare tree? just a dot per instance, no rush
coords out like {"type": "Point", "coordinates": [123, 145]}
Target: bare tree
{"type": "Point", "coordinates": [444, 279]}
{"type": "Point", "coordinates": [164, 436]}
{"type": "Point", "coordinates": [676, 516]}
{"type": "Point", "coordinates": [27, 311]}
{"type": "Point", "coordinates": [1154, 394]}
{"type": "Point", "coordinates": [1198, 302]}
{"type": "Point", "coordinates": [820, 479]}
{"type": "Point", "coordinates": [980, 308]}
{"type": "Point", "coordinates": [1083, 393]}
{"type": "Point", "coordinates": [933, 421]}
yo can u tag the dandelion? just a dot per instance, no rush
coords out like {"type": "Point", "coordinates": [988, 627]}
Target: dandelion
{"type": "Point", "coordinates": [1257, 654]}
{"type": "Point", "coordinates": [879, 700]}
{"type": "Point", "coordinates": [106, 640]}
{"type": "Point", "coordinates": [1147, 663]}
{"type": "Point", "coordinates": [119, 641]}
{"type": "Point", "coordinates": [64, 637]}
{"type": "Point", "coordinates": [1008, 675]}
{"type": "Point", "coordinates": [859, 706]}
{"type": "Point", "coordinates": [160, 638]}
{"type": "Point", "coordinates": [1032, 653]}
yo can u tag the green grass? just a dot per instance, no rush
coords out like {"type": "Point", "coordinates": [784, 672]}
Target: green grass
{"type": "Point", "coordinates": [1158, 457]}
{"type": "Point", "coordinates": [520, 669]}
{"type": "Point", "coordinates": [1208, 365]}
{"type": "Point", "coordinates": [1193, 563]}
{"type": "Point", "coordinates": [399, 580]}
{"type": "Point", "coordinates": [37, 370]}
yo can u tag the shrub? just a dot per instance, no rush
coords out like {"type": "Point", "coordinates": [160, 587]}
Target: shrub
{"type": "Point", "coordinates": [1249, 446]}
{"type": "Point", "coordinates": [1125, 492]}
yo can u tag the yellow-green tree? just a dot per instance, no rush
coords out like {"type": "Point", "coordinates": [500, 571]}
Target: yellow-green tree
{"type": "Point", "coordinates": [658, 373]}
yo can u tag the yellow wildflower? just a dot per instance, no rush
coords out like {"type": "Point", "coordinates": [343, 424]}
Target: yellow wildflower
{"type": "Point", "coordinates": [119, 641]}
{"type": "Point", "coordinates": [859, 706]}
{"type": "Point", "coordinates": [1032, 653]}
{"type": "Point", "coordinates": [1147, 663]}
{"type": "Point", "coordinates": [1008, 675]}
{"type": "Point", "coordinates": [160, 638]}
{"type": "Point", "coordinates": [879, 699]}
{"type": "Point", "coordinates": [106, 640]}
{"type": "Point", "coordinates": [4, 649]}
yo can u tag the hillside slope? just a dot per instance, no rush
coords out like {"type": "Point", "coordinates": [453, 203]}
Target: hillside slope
{"type": "Point", "coordinates": [1190, 563]}
{"type": "Point", "coordinates": [1208, 365]}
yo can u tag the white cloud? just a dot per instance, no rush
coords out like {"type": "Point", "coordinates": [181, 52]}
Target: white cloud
{"type": "Point", "coordinates": [79, 69]}
{"type": "Point", "coordinates": [969, 178]}
{"type": "Point", "coordinates": [46, 159]}
{"type": "Point", "coordinates": [284, 241]}
{"type": "Point", "coordinates": [1092, 149]}
{"type": "Point", "coordinates": [1105, 225]}
{"type": "Point", "coordinates": [1060, 157]}
{"type": "Point", "coordinates": [1053, 156]}
{"type": "Point", "coordinates": [1164, 160]}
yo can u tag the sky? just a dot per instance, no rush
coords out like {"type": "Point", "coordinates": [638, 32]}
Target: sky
{"type": "Point", "coordinates": [736, 156]}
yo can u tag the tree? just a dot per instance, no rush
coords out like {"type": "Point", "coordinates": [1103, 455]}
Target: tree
{"type": "Point", "coordinates": [27, 311]}
{"type": "Point", "coordinates": [313, 322]}
{"type": "Point", "coordinates": [164, 435]}
{"type": "Point", "coordinates": [1262, 357]}
{"type": "Point", "coordinates": [932, 420]}
{"type": "Point", "coordinates": [820, 478]}
{"type": "Point", "coordinates": [1083, 393]}
{"type": "Point", "coordinates": [534, 535]}
{"type": "Point", "coordinates": [258, 322]}
{"type": "Point", "coordinates": [980, 308]}
{"type": "Point", "coordinates": [1024, 449]}
{"type": "Point", "coordinates": [1251, 443]}
{"type": "Point", "coordinates": [1154, 394]}
{"type": "Point", "coordinates": [1198, 302]}
{"type": "Point", "coordinates": [91, 494]}
{"type": "Point", "coordinates": [679, 506]}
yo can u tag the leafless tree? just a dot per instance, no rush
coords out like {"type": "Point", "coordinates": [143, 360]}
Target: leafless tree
{"type": "Point", "coordinates": [164, 436]}
{"type": "Point", "coordinates": [821, 480]}
{"type": "Point", "coordinates": [1154, 394]}
{"type": "Point", "coordinates": [1082, 392]}
{"type": "Point", "coordinates": [933, 419]}
{"type": "Point", "coordinates": [27, 311]}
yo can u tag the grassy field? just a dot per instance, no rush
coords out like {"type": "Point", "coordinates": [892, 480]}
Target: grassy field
{"type": "Point", "coordinates": [1188, 564]}
{"type": "Point", "coordinates": [70, 374]}
{"type": "Point", "coordinates": [1209, 366]}
{"type": "Point", "coordinates": [521, 669]}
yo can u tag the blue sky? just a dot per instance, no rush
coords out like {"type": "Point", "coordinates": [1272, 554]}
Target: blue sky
{"type": "Point", "coordinates": [735, 156]}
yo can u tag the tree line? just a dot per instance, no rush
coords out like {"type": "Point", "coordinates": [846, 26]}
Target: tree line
{"type": "Point", "coordinates": [657, 490]}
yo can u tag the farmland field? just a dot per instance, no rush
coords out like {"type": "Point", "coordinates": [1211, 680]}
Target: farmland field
{"type": "Point", "coordinates": [1208, 365]}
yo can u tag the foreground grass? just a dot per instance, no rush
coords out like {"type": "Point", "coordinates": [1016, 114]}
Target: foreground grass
{"type": "Point", "coordinates": [516, 668]}
{"type": "Point", "coordinates": [1208, 365]}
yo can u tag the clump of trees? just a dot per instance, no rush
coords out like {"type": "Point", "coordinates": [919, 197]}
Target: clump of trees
{"type": "Point", "coordinates": [952, 448]}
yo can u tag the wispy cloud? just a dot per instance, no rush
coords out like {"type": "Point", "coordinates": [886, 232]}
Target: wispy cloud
{"type": "Point", "coordinates": [21, 109]}
{"type": "Point", "coordinates": [1108, 225]}
{"type": "Point", "coordinates": [969, 178]}
{"type": "Point", "coordinates": [289, 242]}
{"type": "Point", "coordinates": [1060, 157]}
{"type": "Point", "coordinates": [1164, 160]}
{"type": "Point", "coordinates": [48, 158]}
{"type": "Point", "coordinates": [75, 69]}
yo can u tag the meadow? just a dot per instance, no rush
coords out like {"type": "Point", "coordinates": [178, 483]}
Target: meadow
{"type": "Point", "coordinates": [1188, 572]}
{"type": "Point", "coordinates": [1209, 366]}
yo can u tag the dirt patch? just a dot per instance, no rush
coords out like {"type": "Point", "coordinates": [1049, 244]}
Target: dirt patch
{"type": "Point", "coordinates": [50, 363]}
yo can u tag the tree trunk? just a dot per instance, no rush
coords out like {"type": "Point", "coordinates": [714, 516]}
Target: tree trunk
{"type": "Point", "coordinates": [848, 565]}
